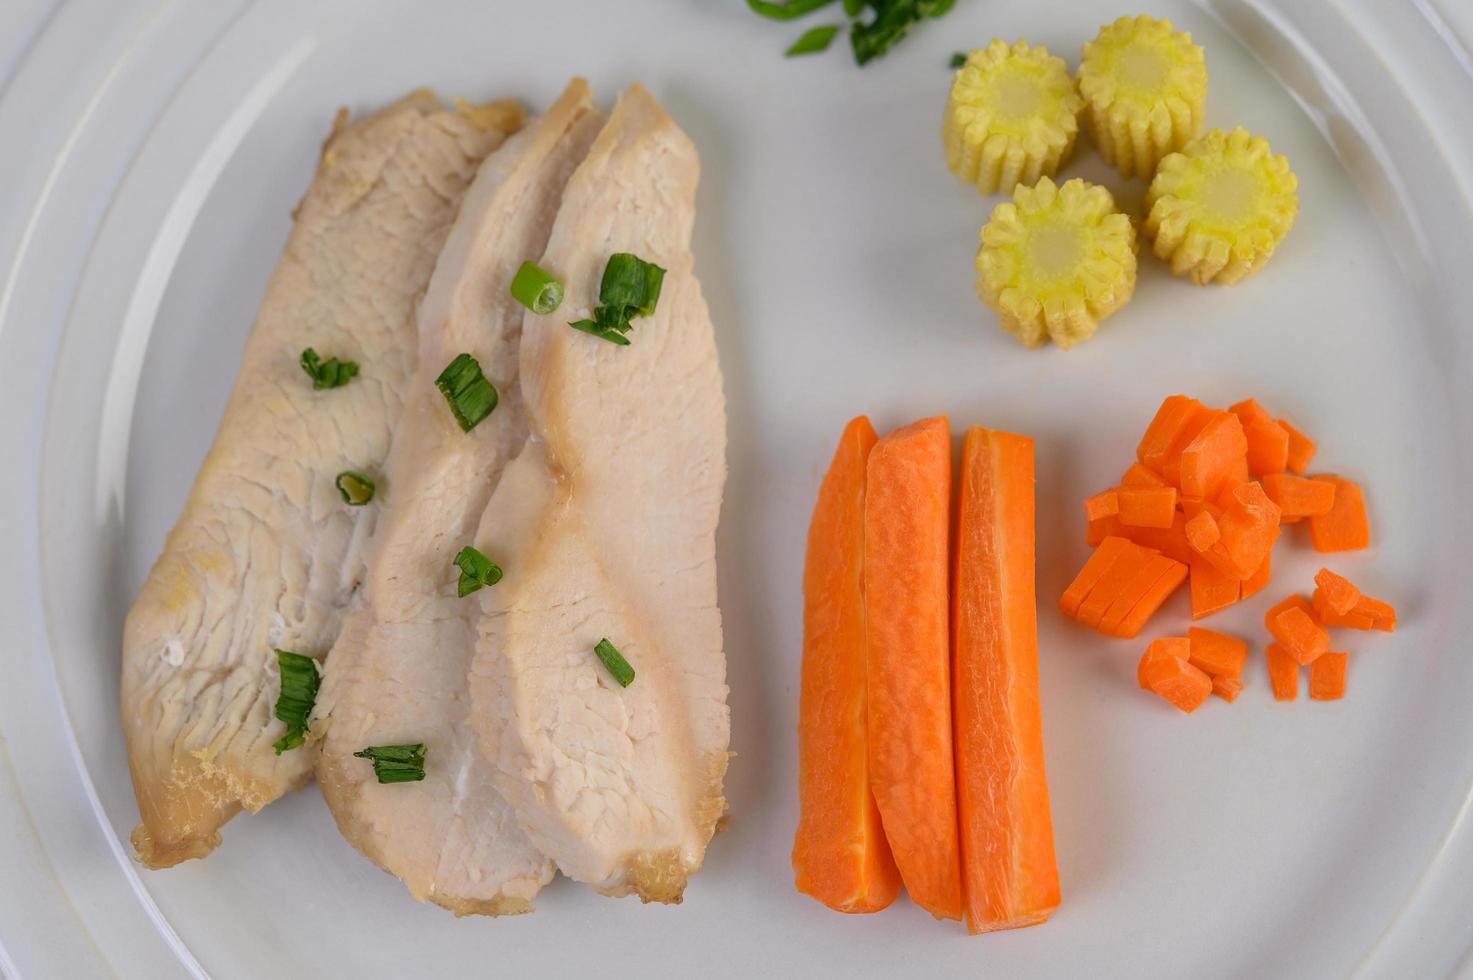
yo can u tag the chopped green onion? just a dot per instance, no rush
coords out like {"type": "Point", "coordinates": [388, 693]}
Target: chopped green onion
{"type": "Point", "coordinates": [396, 763]}
{"type": "Point", "coordinates": [331, 373]}
{"type": "Point", "coordinates": [790, 10]}
{"type": "Point", "coordinates": [470, 395]}
{"type": "Point", "coordinates": [356, 488]}
{"type": "Point", "coordinates": [853, 7]}
{"type": "Point", "coordinates": [630, 288]}
{"type": "Point", "coordinates": [536, 289]}
{"type": "Point", "coordinates": [298, 693]}
{"type": "Point", "coordinates": [814, 40]}
{"type": "Point", "coordinates": [476, 571]}
{"type": "Point", "coordinates": [958, 59]}
{"type": "Point", "coordinates": [615, 662]}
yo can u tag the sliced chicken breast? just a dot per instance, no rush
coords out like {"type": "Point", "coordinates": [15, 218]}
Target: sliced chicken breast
{"type": "Point", "coordinates": [605, 526]}
{"type": "Point", "coordinates": [266, 555]}
{"type": "Point", "coordinates": [398, 673]}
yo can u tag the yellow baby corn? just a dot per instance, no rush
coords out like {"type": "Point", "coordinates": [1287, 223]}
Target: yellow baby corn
{"type": "Point", "coordinates": [1011, 118]}
{"type": "Point", "coordinates": [1055, 261]}
{"type": "Point", "coordinates": [1219, 208]}
{"type": "Point", "coordinates": [1144, 90]}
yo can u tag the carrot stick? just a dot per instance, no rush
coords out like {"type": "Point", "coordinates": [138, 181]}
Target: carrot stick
{"type": "Point", "coordinates": [1112, 586]}
{"type": "Point", "coordinates": [906, 531]}
{"type": "Point", "coordinates": [1327, 677]}
{"type": "Point", "coordinates": [1009, 875]}
{"type": "Point", "coordinates": [840, 855]}
{"type": "Point", "coordinates": [1283, 673]}
{"type": "Point", "coordinates": [1111, 550]}
{"type": "Point", "coordinates": [1345, 527]}
{"type": "Point", "coordinates": [1142, 597]}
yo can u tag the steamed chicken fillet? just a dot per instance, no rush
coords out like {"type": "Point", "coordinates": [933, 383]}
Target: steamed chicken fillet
{"type": "Point", "coordinates": [265, 554]}
{"type": "Point", "coordinates": [398, 672]}
{"type": "Point", "coordinates": [605, 526]}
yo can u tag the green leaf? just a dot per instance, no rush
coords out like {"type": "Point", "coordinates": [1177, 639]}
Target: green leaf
{"type": "Point", "coordinates": [813, 41]}
{"type": "Point", "coordinates": [470, 395]}
{"type": "Point", "coordinates": [476, 571]}
{"type": "Point", "coordinates": [299, 682]}
{"type": "Point", "coordinates": [396, 763]}
{"type": "Point", "coordinates": [791, 10]}
{"type": "Point", "coordinates": [331, 373]}
{"type": "Point", "coordinates": [536, 289]}
{"type": "Point", "coordinates": [356, 488]}
{"type": "Point", "coordinates": [614, 661]}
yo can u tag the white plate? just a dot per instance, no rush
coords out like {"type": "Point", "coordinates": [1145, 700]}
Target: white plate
{"type": "Point", "coordinates": [151, 154]}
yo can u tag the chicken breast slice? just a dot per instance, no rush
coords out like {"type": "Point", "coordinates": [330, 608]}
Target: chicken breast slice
{"type": "Point", "coordinates": [398, 673]}
{"type": "Point", "coordinates": [605, 526]}
{"type": "Point", "coordinates": [265, 554]}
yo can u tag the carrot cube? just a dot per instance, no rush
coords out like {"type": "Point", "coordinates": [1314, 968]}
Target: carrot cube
{"type": "Point", "coordinates": [1327, 677]}
{"type": "Point", "coordinates": [1215, 653]}
{"type": "Point", "coordinates": [1140, 478]}
{"type": "Point", "coordinates": [1213, 589]}
{"type": "Point", "coordinates": [1297, 497]}
{"type": "Point", "coordinates": [1354, 619]}
{"type": "Point", "coordinates": [1202, 531]}
{"type": "Point", "coordinates": [1173, 415]}
{"type": "Point", "coordinates": [1102, 505]}
{"type": "Point", "coordinates": [1170, 541]}
{"type": "Point", "coordinates": [1254, 584]}
{"type": "Point", "coordinates": [1249, 411]}
{"type": "Point", "coordinates": [1177, 682]}
{"type": "Point", "coordinates": [1165, 648]}
{"type": "Point", "coordinates": [1249, 527]}
{"type": "Point", "coordinates": [1340, 593]}
{"type": "Point", "coordinates": [1217, 452]}
{"type": "Point", "coordinates": [1283, 673]}
{"type": "Point", "coordinates": [1154, 507]}
{"type": "Point", "coordinates": [1298, 630]}
{"type": "Point", "coordinates": [1171, 465]}
{"type": "Point", "coordinates": [1227, 688]}
{"type": "Point", "coordinates": [1344, 526]}
{"type": "Point", "coordinates": [1301, 448]}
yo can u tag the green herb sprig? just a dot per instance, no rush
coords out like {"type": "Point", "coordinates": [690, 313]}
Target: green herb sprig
{"type": "Point", "coordinates": [870, 35]}
{"type": "Point", "coordinates": [396, 763]}
{"type": "Point", "coordinates": [299, 683]}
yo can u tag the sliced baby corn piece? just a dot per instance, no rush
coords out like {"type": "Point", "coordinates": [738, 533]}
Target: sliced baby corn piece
{"type": "Point", "coordinates": [1144, 89]}
{"type": "Point", "coordinates": [1219, 208]}
{"type": "Point", "coordinates": [1011, 118]}
{"type": "Point", "coordinates": [1055, 261]}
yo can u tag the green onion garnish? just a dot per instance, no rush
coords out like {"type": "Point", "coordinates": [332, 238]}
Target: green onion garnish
{"type": "Point", "coordinates": [470, 395]}
{"type": "Point", "coordinates": [331, 373]}
{"type": "Point", "coordinates": [476, 571]}
{"type": "Point", "coordinates": [790, 10]}
{"type": "Point", "coordinates": [615, 662]}
{"type": "Point", "coordinates": [356, 488]}
{"type": "Point", "coordinates": [298, 693]}
{"type": "Point", "coordinates": [630, 288]}
{"type": "Point", "coordinates": [536, 289]}
{"type": "Point", "coordinates": [814, 40]}
{"type": "Point", "coordinates": [958, 59]}
{"type": "Point", "coordinates": [396, 763]}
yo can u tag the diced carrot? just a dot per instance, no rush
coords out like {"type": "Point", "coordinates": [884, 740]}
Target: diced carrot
{"type": "Point", "coordinates": [1162, 648]}
{"type": "Point", "coordinates": [1298, 497]}
{"type": "Point", "coordinates": [907, 518]}
{"type": "Point", "coordinates": [1283, 672]}
{"type": "Point", "coordinates": [1158, 579]}
{"type": "Point", "coordinates": [1249, 411]}
{"type": "Point", "coordinates": [1097, 531]}
{"type": "Point", "coordinates": [1202, 531]}
{"type": "Point", "coordinates": [1217, 654]}
{"type": "Point", "coordinates": [1213, 589]}
{"type": "Point", "coordinates": [1171, 465]}
{"type": "Point", "coordinates": [840, 854]}
{"type": "Point", "coordinates": [1177, 682]}
{"type": "Point", "coordinates": [1301, 448]}
{"type": "Point", "coordinates": [1009, 874]}
{"type": "Point", "coordinates": [1345, 527]}
{"type": "Point", "coordinates": [1111, 550]}
{"type": "Point", "coordinates": [1249, 527]}
{"type": "Point", "coordinates": [1170, 541]}
{"type": "Point", "coordinates": [1161, 434]}
{"type": "Point", "coordinates": [1327, 677]}
{"type": "Point", "coordinates": [1155, 507]}
{"type": "Point", "coordinates": [1227, 688]}
{"type": "Point", "coordinates": [1340, 593]}
{"type": "Point", "coordinates": [1268, 447]}
{"type": "Point", "coordinates": [1298, 630]}
{"type": "Point", "coordinates": [1103, 504]}
{"type": "Point", "coordinates": [1120, 578]}
{"type": "Point", "coordinates": [1192, 506]}
{"type": "Point", "coordinates": [1254, 584]}
{"type": "Point", "coordinates": [1140, 478]}
{"type": "Point", "coordinates": [1354, 619]}
{"type": "Point", "coordinates": [1382, 614]}
{"type": "Point", "coordinates": [1217, 452]}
